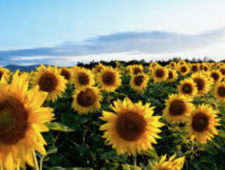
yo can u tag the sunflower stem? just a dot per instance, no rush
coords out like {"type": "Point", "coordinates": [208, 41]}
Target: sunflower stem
{"type": "Point", "coordinates": [135, 159]}
{"type": "Point", "coordinates": [35, 160]}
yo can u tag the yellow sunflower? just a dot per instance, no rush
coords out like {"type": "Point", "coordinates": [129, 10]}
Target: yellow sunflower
{"type": "Point", "coordinates": [49, 80]}
{"type": "Point", "coordinates": [173, 64]}
{"type": "Point", "coordinates": [194, 68]}
{"type": "Point", "coordinates": [135, 69]}
{"type": "Point", "coordinates": [98, 68]}
{"type": "Point", "coordinates": [172, 75]}
{"type": "Point", "coordinates": [132, 128]}
{"type": "Point", "coordinates": [139, 82]}
{"type": "Point", "coordinates": [216, 75]}
{"type": "Point", "coordinates": [206, 67]}
{"type": "Point", "coordinates": [188, 88]}
{"type": "Point", "coordinates": [222, 70]}
{"type": "Point", "coordinates": [160, 74]}
{"type": "Point", "coordinates": [21, 122]}
{"type": "Point", "coordinates": [207, 75]}
{"type": "Point", "coordinates": [109, 79]}
{"type": "Point", "coordinates": [75, 68]}
{"type": "Point", "coordinates": [219, 91]}
{"type": "Point", "coordinates": [202, 122]}
{"type": "Point", "coordinates": [152, 66]}
{"type": "Point", "coordinates": [172, 164]}
{"type": "Point", "coordinates": [177, 108]}
{"type": "Point", "coordinates": [83, 77]}
{"type": "Point", "coordinates": [4, 72]}
{"type": "Point", "coordinates": [181, 62]}
{"type": "Point", "coordinates": [86, 100]}
{"type": "Point", "coordinates": [202, 83]}
{"type": "Point", "coordinates": [67, 74]}
{"type": "Point", "coordinates": [184, 69]}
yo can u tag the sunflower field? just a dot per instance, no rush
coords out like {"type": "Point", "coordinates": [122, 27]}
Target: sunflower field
{"type": "Point", "coordinates": [143, 116]}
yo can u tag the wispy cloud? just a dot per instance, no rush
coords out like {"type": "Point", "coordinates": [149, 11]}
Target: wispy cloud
{"type": "Point", "coordinates": [145, 42]}
{"type": "Point", "coordinates": [123, 46]}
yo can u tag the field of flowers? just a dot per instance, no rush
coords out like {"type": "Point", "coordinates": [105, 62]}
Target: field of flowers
{"type": "Point", "coordinates": [103, 117]}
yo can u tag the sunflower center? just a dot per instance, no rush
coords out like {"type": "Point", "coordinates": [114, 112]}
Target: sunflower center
{"type": "Point", "coordinates": [177, 108]}
{"type": "Point", "coordinates": [130, 126]}
{"type": "Point", "coordinates": [205, 68]}
{"type": "Point", "coordinates": [48, 82]}
{"type": "Point", "coordinates": [221, 91]}
{"type": "Point", "coordinates": [215, 76]}
{"type": "Point", "coordinates": [183, 69]}
{"type": "Point", "coordinates": [109, 78]}
{"type": "Point", "coordinates": [6, 119]}
{"type": "Point", "coordinates": [86, 98]}
{"type": "Point", "coordinates": [159, 73]}
{"type": "Point", "coordinates": [1, 73]}
{"type": "Point", "coordinates": [139, 80]}
{"type": "Point", "coordinates": [66, 74]}
{"type": "Point", "coordinates": [194, 68]}
{"type": "Point", "coordinates": [13, 121]}
{"type": "Point", "coordinates": [99, 69]}
{"type": "Point", "coordinates": [200, 83]}
{"type": "Point", "coordinates": [137, 70]}
{"type": "Point", "coordinates": [222, 70]}
{"type": "Point", "coordinates": [187, 88]}
{"type": "Point", "coordinates": [83, 79]}
{"type": "Point", "coordinates": [200, 122]}
{"type": "Point", "coordinates": [170, 75]}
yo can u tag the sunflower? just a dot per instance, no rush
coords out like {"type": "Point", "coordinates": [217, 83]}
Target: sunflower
{"type": "Point", "coordinates": [75, 68]}
{"type": "Point", "coordinates": [49, 80]}
{"type": "Point", "coordinates": [219, 91]}
{"type": "Point", "coordinates": [135, 69]}
{"type": "Point", "coordinates": [177, 108]}
{"type": "Point", "coordinates": [152, 66]}
{"type": "Point", "coordinates": [202, 83]}
{"type": "Point", "coordinates": [160, 74]}
{"type": "Point", "coordinates": [139, 82]}
{"type": "Point", "coordinates": [83, 77]}
{"type": "Point", "coordinates": [172, 164]}
{"type": "Point", "coordinates": [98, 68]}
{"type": "Point", "coordinates": [188, 88]}
{"type": "Point", "coordinates": [86, 100]}
{"type": "Point", "coordinates": [132, 128]}
{"type": "Point", "coordinates": [222, 70]}
{"type": "Point", "coordinates": [173, 64]}
{"type": "Point", "coordinates": [207, 75]}
{"type": "Point", "coordinates": [109, 79]}
{"type": "Point", "coordinates": [4, 72]}
{"type": "Point", "coordinates": [21, 122]}
{"type": "Point", "coordinates": [202, 122]}
{"type": "Point", "coordinates": [206, 67]}
{"type": "Point", "coordinates": [118, 65]}
{"type": "Point", "coordinates": [67, 74]}
{"type": "Point", "coordinates": [216, 75]}
{"type": "Point", "coordinates": [172, 75]}
{"type": "Point", "coordinates": [194, 68]}
{"type": "Point", "coordinates": [184, 69]}
{"type": "Point", "coordinates": [181, 62]}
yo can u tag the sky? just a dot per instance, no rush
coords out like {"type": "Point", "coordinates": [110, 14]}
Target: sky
{"type": "Point", "coordinates": [84, 30]}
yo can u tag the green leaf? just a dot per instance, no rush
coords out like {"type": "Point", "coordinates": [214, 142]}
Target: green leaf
{"type": "Point", "coordinates": [52, 150]}
{"type": "Point", "coordinates": [152, 153]}
{"type": "Point", "coordinates": [59, 127]}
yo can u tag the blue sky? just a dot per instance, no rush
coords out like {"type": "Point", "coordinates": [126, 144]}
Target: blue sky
{"type": "Point", "coordinates": [41, 28]}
